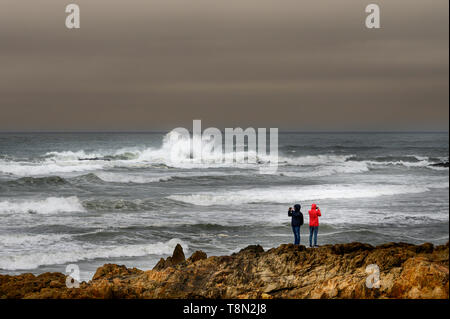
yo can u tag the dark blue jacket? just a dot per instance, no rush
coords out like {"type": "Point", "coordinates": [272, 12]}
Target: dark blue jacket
{"type": "Point", "coordinates": [297, 216]}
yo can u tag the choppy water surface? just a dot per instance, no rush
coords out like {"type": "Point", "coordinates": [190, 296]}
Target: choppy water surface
{"type": "Point", "coordinates": [93, 198]}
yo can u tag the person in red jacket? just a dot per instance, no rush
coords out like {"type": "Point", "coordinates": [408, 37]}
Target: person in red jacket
{"type": "Point", "coordinates": [314, 214]}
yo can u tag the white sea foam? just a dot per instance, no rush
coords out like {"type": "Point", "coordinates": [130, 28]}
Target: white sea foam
{"type": "Point", "coordinates": [131, 178]}
{"type": "Point", "coordinates": [340, 168]}
{"type": "Point", "coordinates": [73, 252]}
{"type": "Point", "coordinates": [114, 177]}
{"type": "Point", "coordinates": [50, 205]}
{"type": "Point", "coordinates": [22, 241]}
{"type": "Point", "coordinates": [423, 163]}
{"type": "Point", "coordinates": [46, 167]}
{"type": "Point", "coordinates": [419, 162]}
{"type": "Point", "coordinates": [287, 195]}
{"type": "Point", "coordinates": [176, 152]}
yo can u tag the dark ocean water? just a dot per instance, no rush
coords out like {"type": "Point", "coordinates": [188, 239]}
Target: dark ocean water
{"type": "Point", "coordinates": [93, 198]}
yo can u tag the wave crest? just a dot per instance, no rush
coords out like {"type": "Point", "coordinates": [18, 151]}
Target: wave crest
{"type": "Point", "coordinates": [73, 253]}
{"type": "Point", "coordinates": [50, 205]}
{"type": "Point", "coordinates": [285, 195]}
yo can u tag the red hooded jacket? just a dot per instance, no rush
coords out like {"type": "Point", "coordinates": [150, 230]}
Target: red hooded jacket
{"type": "Point", "coordinates": [314, 214]}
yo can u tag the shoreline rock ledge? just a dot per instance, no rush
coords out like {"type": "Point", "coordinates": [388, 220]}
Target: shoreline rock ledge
{"type": "Point", "coordinates": [288, 271]}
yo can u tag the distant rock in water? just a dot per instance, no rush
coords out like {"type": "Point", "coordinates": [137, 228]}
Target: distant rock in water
{"type": "Point", "coordinates": [289, 271]}
{"type": "Point", "coordinates": [441, 164]}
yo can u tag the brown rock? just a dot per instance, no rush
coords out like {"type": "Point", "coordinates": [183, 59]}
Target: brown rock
{"type": "Point", "coordinates": [426, 248]}
{"type": "Point", "coordinates": [178, 255]}
{"type": "Point", "coordinates": [177, 258]}
{"type": "Point", "coordinates": [109, 271]}
{"type": "Point", "coordinates": [252, 249]}
{"type": "Point", "coordinates": [289, 271]}
{"type": "Point", "coordinates": [196, 256]}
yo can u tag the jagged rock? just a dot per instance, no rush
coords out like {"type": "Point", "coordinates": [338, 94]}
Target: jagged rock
{"type": "Point", "coordinates": [177, 258]}
{"type": "Point", "coordinates": [178, 255]}
{"type": "Point", "coordinates": [160, 265]}
{"type": "Point", "coordinates": [289, 271]}
{"type": "Point", "coordinates": [196, 256]}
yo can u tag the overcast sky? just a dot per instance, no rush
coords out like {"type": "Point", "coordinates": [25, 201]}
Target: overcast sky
{"type": "Point", "coordinates": [158, 64]}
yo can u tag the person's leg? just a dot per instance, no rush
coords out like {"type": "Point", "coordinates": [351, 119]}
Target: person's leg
{"type": "Point", "coordinates": [294, 230]}
{"type": "Point", "coordinates": [299, 236]}
{"type": "Point", "coordinates": [310, 235]}
{"type": "Point", "coordinates": [316, 230]}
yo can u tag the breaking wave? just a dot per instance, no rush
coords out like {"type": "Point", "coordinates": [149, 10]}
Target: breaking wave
{"type": "Point", "coordinates": [40, 181]}
{"type": "Point", "coordinates": [51, 205]}
{"type": "Point", "coordinates": [73, 253]}
{"type": "Point", "coordinates": [176, 152]}
{"type": "Point", "coordinates": [286, 195]}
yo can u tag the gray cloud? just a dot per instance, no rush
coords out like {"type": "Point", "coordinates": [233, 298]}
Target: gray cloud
{"type": "Point", "coordinates": [150, 65]}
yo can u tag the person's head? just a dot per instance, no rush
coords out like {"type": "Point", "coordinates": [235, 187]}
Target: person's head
{"type": "Point", "coordinates": [313, 206]}
{"type": "Point", "coordinates": [297, 207]}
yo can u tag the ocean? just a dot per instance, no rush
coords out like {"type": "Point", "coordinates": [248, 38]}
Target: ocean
{"type": "Point", "coordinates": [95, 198]}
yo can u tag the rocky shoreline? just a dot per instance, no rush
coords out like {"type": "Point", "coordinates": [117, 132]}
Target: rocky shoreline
{"type": "Point", "coordinates": [288, 271]}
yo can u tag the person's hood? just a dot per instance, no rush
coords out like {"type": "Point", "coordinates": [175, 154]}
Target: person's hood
{"type": "Point", "coordinates": [313, 206]}
{"type": "Point", "coordinates": [297, 207]}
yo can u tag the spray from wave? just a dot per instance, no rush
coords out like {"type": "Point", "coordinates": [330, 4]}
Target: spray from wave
{"type": "Point", "coordinates": [176, 152]}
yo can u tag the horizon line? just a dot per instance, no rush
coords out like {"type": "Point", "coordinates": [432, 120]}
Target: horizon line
{"type": "Point", "coordinates": [167, 131]}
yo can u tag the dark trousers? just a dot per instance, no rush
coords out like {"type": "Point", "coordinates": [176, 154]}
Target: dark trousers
{"type": "Point", "coordinates": [296, 230]}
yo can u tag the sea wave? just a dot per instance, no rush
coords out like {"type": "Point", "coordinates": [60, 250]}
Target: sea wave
{"type": "Point", "coordinates": [23, 241]}
{"type": "Point", "coordinates": [50, 205]}
{"type": "Point", "coordinates": [39, 181]}
{"type": "Point", "coordinates": [288, 195]}
{"type": "Point", "coordinates": [73, 253]}
{"type": "Point", "coordinates": [409, 161]}
{"type": "Point", "coordinates": [341, 168]}
{"type": "Point", "coordinates": [176, 152]}
{"type": "Point", "coordinates": [114, 177]}
{"type": "Point", "coordinates": [131, 178]}
{"type": "Point", "coordinates": [120, 204]}
{"type": "Point", "coordinates": [46, 167]}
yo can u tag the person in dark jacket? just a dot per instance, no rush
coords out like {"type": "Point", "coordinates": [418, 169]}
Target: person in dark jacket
{"type": "Point", "coordinates": [296, 222]}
